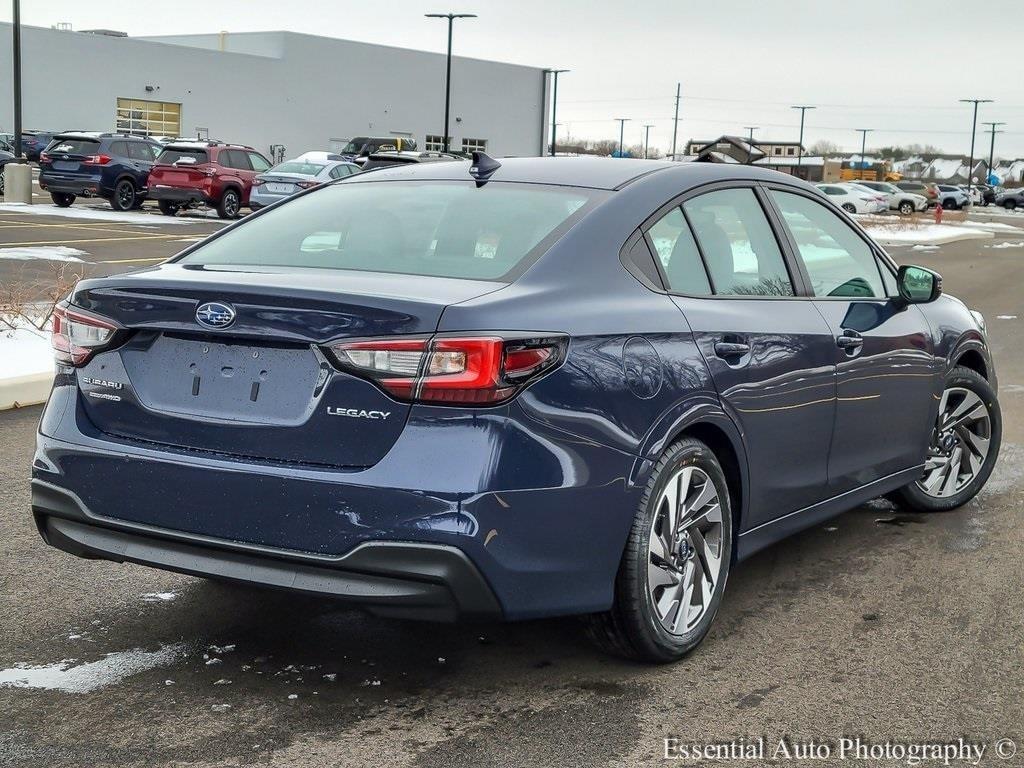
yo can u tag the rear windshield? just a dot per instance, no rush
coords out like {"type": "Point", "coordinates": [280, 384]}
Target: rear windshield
{"type": "Point", "coordinates": [307, 169]}
{"type": "Point", "coordinates": [185, 155]}
{"type": "Point", "coordinates": [387, 162]}
{"type": "Point", "coordinates": [435, 228]}
{"type": "Point", "coordinates": [74, 146]}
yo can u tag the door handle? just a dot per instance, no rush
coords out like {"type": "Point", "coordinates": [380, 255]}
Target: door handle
{"type": "Point", "coordinates": [851, 341]}
{"type": "Point", "coordinates": [731, 349]}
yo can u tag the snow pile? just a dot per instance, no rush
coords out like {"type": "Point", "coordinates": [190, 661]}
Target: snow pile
{"type": "Point", "coordinates": [67, 677]}
{"type": "Point", "coordinates": [928, 234]}
{"type": "Point", "coordinates": [1007, 244]}
{"type": "Point", "coordinates": [24, 352]}
{"type": "Point", "coordinates": [96, 214]}
{"type": "Point", "coordinates": [46, 252]}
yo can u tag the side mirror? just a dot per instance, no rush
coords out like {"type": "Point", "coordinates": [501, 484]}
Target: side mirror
{"type": "Point", "coordinates": [918, 285]}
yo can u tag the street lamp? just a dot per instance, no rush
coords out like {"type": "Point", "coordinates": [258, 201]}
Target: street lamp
{"type": "Point", "coordinates": [647, 137]}
{"type": "Point", "coordinates": [992, 146]}
{"type": "Point", "coordinates": [448, 75]}
{"type": "Point", "coordinates": [863, 147]}
{"type": "Point", "coordinates": [974, 128]}
{"type": "Point", "coordinates": [622, 126]}
{"type": "Point", "coordinates": [800, 148]}
{"type": "Point", "coordinates": [554, 104]}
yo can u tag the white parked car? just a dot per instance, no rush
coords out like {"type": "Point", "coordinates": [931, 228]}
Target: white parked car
{"type": "Point", "coordinates": [854, 200]}
{"type": "Point", "coordinates": [899, 200]}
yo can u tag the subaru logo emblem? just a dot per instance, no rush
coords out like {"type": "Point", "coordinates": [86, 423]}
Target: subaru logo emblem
{"type": "Point", "coordinates": [214, 314]}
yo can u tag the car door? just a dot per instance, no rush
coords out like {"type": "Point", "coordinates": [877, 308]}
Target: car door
{"type": "Point", "coordinates": [769, 352]}
{"type": "Point", "coordinates": [142, 155]}
{"type": "Point", "coordinates": [888, 380]}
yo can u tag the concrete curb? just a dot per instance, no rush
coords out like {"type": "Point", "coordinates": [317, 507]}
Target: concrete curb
{"type": "Point", "coordinates": [20, 391]}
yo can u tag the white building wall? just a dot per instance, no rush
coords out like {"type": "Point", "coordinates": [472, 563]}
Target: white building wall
{"type": "Point", "coordinates": [273, 88]}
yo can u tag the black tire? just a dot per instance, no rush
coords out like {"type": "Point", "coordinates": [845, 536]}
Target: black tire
{"type": "Point", "coordinates": [950, 204]}
{"type": "Point", "coordinates": [139, 200]}
{"type": "Point", "coordinates": [62, 199]}
{"type": "Point", "coordinates": [849, 207]}
{"type": "Point", "coordinates": [914, 496]}
{"type": "Point", "coordinates": [2, 181]}
{"type": "Point", "coordinates": [167, 208]}
{"type": "Point", "coordinates": [906, 208]}
{"type": "Point", "coordinates": [1010, 204]}
{"type": "Point", "coordinates": [631, 628]}
{"type": "Point", "coordinates": [125, 196]}
{"type": "Point", "coordinates": [230, 204]}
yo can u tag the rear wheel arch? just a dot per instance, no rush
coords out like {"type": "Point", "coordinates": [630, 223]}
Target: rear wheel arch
{"type": "Point", "coordinates": [716, 439]}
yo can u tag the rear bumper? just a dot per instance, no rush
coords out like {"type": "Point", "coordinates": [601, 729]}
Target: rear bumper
{"type": "Point", "coordinates": [258, 199]}
{"type": "Point", "coordinates": [182, 195]}
{"type": "Point", "coordinates": [397, 579]}
{"type": "Point", "coordinates": [84, 187]}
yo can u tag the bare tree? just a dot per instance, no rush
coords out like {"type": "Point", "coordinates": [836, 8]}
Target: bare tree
{"type": "Point", "coordinates": [29, 298]}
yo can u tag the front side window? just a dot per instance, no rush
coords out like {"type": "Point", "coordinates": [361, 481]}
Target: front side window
{"type": "Point", "coordinates": [436, 228]}
{"type": "Point", "coordinates": [740, 251]}
{"type": "Point", "coordinates": [838, 262]}
{"type": "Point", "coordinates": [677, 251]}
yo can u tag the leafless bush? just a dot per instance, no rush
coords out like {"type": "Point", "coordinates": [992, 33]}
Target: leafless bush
{"type": "Point", "coordinates": [29, 297]}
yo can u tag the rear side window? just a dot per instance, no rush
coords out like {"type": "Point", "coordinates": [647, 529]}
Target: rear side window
{"type": "Point", "coordinates": [74, 147]}
{"type": "Point", "coordinates": [838, 262]}
{"type": "Point", "coordinates": [258, 162]}
{"type": "Point", "coordinates": [140, 150]}
{"type": "Point", "coordinates": [234, 158]}
{"type": "Point", "coordinates": [677, 251]}
{"type": "Point", "coordinates": [742, 255]}
{"type": "Point", "coordinates": [185, 156]}
{"type": "Point", "coordinates": [119, 148]}
{"type": "Point", "coordinates": [438, 228]}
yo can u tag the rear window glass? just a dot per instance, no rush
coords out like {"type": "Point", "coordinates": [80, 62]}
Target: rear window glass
{"type": "Point", "coordinates": [442, 229]}
{"type": "Point", "coordinates": [74, 146]}
{"type": "Point", "coordinates": [307, 169]}
{"type": "Point", "coordinates": [185, 155]}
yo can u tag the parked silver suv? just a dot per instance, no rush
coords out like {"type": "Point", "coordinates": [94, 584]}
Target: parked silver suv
{"type": "Point", "coordinates": [899, 200]}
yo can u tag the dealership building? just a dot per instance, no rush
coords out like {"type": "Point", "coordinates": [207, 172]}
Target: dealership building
{"type": "Point", "coordinates": [270, 90]}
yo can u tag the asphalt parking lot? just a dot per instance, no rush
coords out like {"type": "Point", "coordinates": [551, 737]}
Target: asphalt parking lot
{"type": "Point", "coordinates": [880, 623]}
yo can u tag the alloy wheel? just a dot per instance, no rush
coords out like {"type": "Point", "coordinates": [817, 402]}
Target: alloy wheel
{"type": "Point", "coordinates": [125, 195]}
{"type": "Point", "coordinates": [685, 550]}
{"type": "Point", "coordinates": [231, 204]}
{"type": "Point", "coordinates": [960, 443]}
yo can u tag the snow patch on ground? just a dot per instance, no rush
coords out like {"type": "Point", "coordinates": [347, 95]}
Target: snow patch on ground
{"type": "Point", "coordinates": [68, 677]}
{"type": "Point", "coordinates": [158, 597]}
{"type": "Point", "coordinates": [925, 248]}
{"type": "Point", "coordinates": [1007, 244]}
{"type": "Point", "coordinates": [24, 352]}
{"type": "Point", "coordinates": [928, 234]}
{"type": "Point", "coordinates": [47, 252]}
{"type": "Point", "coordinates": [93, 214]}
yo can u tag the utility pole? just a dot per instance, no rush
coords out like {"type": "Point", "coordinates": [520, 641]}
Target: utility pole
{"type": "Point", "coordinates": [448, 73]}
{"type": "Point", "coordinates": [992, 146]}
{"type": "Point", "coordinates": [18, 174]}
{"type": "Point", "coordinates": [16, 35]}
{"type": "Point", "coordinates": [800, 148]}
{"type": "Point", "coordinates": [863, 148]}
{"type": "Point", "coordinates": [554, 104]}
{"type": "Point", "coordinates": [974, 128]}
{"type": "Point", "coordinates": [750, 139]}
{"type": "Point", "coordinates": [675, 122]}
{"type": "Point", "coordinates": [647, 137]}
{"type": "Point", "coordinates": [622, 127]}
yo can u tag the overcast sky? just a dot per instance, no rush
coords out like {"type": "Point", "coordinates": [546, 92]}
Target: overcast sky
{"type": "Point", "coordinates": [896, 66]}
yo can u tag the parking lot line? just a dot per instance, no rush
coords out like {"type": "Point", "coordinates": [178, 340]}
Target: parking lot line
{"type": "Point", "coordinates": [92, 240]}
{"type": "Point", "coordinates": [94, 227]}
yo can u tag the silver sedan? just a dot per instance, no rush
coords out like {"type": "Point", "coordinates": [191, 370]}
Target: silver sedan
{"type": "Point", "coordinates": [293, 176]}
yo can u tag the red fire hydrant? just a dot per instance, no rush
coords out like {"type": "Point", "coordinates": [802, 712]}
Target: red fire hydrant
{"type": "Point", "coordinates": [938, 213]}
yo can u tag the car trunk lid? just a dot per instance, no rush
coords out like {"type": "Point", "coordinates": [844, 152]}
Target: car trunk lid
{"type": "Point", "coordinates": [261, 387]}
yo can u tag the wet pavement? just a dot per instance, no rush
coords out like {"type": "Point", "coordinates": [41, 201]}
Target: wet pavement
{"type": "Point", "coordinates": [881, 623]}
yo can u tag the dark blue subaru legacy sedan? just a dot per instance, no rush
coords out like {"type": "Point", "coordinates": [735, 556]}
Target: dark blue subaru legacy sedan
{"type": "Point", "coordinates": [511, 389]}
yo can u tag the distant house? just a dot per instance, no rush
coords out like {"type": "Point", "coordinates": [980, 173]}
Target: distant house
{"type": "Point", "coordinates": [812, 168]}
{"type": "Point", "coordinates": [911, 167]}
{"type": "Point", "coordinates": [1010, 173]}
{"type": "Point", "coordinates": [954, 170]}
{"type": "Point", "coordinates": [724, 149]}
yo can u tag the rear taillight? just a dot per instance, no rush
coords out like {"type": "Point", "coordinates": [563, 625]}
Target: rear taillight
{"type": "Point", "coordinates": [43, 157]}
{"type": "Point", "coordinates": [258, 182]}
{"type": "Point", "coordinates": [97, 160]}
{"type": "Point", "coordinates": [307, 184]}
{"type": "Point", "coordinates": [456, 370]}
{"type": "Point", "coordinates": [76, 337]}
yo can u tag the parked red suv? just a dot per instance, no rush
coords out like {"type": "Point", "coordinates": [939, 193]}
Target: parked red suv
{"type": "Point", "coordinates": [192, 174]}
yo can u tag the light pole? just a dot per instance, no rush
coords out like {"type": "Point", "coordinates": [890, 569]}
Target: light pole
{"type": "Point", "coordinates": [992, 146]}
{"type": "Point", "coordinates": [448, 72]}
{"type": "Point", "coordinates": [974, 128]}
{"type": "Point", "coordinates": [800, 147]}
{"type": "Point", "coordinates": [554, 104]}
{"type": "Point", "coordinates": [18, 174]}
{"type": "Point", "coordinates": [622, 127]}
{"type": "Point", "coordinates": [750, 139]}
{"type": "Point", "coordinates": [16, 67]}
{"type": "Point", "coordinates": [647, 137]}
{"type": "Point", "coordinates": [675, 122]}
{"type": "Point", "coordinates": [863, 148]}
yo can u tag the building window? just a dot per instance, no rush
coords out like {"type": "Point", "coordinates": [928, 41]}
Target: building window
{"type": "Point", "coordinates": [148, 118]}
{"type": "Point", "coordinates": [776, 150]}
{"type": "Point", "coordinates": [474, 145]}
{"type": "Point", "coordinates": [790, 150]}
{"type": "Point", "coordinates": [435, 143]}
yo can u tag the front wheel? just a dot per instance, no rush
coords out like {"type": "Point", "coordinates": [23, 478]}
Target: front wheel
{"type": "Point", "coordinates": [62, 199]}
{"type": "Point", "coordinates": [675, 565]}
{"type": "Point", "coordinates": [906, 208]}
{"type": "Point", "coordinates": [849, 207]}
{"type": "Point", "coordinates": [964, 445]}
{"type": "Point", "coordinates": [1010, 205]}
{"type": "Point", "coordinates": [229, 205]}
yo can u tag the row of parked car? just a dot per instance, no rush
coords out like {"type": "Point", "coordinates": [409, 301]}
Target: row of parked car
{"type": "Point", "coordinates": [909, 196]}
{"type": "Point", "coordinates": [178, 174]}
